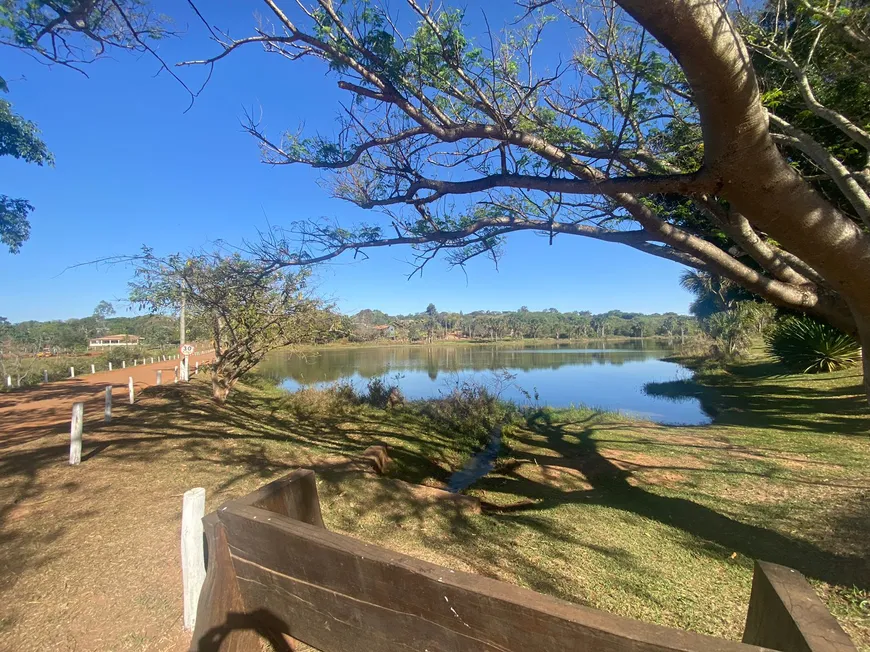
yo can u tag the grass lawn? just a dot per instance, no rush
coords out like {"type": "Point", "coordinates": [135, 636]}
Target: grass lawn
{"type": "Point", "coordinates": [655, 522]}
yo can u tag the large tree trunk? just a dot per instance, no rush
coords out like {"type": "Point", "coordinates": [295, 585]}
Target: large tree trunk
{"type": "Point", "coordinates": [864, 338]}
{"type": "Point", "coordinates": [221, 382]}
{"type": "Point", "coordinates": [740, 152]}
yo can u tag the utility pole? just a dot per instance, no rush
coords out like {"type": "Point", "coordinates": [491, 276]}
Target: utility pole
{"type": "Point", "coordinates": [183, 336]}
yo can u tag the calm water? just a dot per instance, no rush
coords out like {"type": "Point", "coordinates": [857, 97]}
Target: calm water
{"type": "Point", "coordinates": [609, 378]}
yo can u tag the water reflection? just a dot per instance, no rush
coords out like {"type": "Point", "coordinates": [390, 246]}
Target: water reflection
{"type": "Point", "coordinates": [611, 378]}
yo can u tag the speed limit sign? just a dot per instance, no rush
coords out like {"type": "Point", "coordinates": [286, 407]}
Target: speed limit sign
{"type": "Point", "coordinates": [186, 349]}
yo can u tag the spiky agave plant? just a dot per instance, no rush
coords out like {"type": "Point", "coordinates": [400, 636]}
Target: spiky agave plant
{"type": "Point", "coordinates": [811, 346]}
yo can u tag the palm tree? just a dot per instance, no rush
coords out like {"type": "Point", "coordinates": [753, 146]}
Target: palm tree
{"type": "Point", "coordinates": [712, 293]}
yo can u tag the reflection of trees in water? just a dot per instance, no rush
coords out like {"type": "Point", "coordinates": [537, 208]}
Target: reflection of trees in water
{"type": "Point", "coordinates": [330, 365]}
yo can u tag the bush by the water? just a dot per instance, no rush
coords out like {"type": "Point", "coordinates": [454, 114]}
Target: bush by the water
{"type": "Point", "coordinates": [470, 412]}
{"type": "Point", "coordinates": [336, 399]}
{"type": "Point", "coordinates": [340, 398]}
{"type": "Point", "coordinates": [811, 346]}
{"type": "Point", "coordinates": [380, 393]}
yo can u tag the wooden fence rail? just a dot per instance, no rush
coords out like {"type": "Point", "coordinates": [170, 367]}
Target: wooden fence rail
{"type": "Point", "coordinates": [275, 571]}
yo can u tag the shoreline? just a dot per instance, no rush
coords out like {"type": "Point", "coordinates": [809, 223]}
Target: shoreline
{"type": "Point", "coordinates": [478, 342]}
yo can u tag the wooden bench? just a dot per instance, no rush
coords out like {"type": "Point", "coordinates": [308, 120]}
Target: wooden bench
{"type": "Point", "coordinates": [274, 571]}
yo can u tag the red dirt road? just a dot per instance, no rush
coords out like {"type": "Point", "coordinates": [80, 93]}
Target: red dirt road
{"type": "Point", "coordinates": [89, 554]}
{"type": "Point", "coordinates": [30, 414]}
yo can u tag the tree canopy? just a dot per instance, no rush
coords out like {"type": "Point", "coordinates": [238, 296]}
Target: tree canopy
{"type": "Point", "coordinates": [658, 128]}
{"type": "Point", "coordinates": [76, 32]}
{"type": "Point", "coordinates": [20, 139]}
{"type": "Point", "coordinates": [70, 33]}
{"type": "Point", "coordinates": [248, 310]}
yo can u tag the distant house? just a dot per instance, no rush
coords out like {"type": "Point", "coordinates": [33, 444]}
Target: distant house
{"type": "Point", "coordinates": [113, 340]}
{"type": "Point", "coordinates": [386, 330]}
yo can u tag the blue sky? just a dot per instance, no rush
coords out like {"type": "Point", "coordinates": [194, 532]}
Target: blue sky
{"type": "Point", "coordinates": [134, 169]}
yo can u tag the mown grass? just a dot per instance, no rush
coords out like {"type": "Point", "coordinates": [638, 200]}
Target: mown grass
{"type": "Point", "coordinates": [654, 522]}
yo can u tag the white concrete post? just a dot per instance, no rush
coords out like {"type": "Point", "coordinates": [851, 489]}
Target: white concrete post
{"type": "Point", "coordinates": [192, 552]}
{"type": "Point", "coordinates": [130, 390]}
{"type": "Point", "coordinates": [159, 376]}
{"type": "Point", "coordinates": [108, 416]}
{"type": "Point", "coordinates": [75, 433]}
{"type": "Point", "coordinates": [196, 368]}
{"type": "Point", "coordinates": [93, 370]}
{"type": "Point", "coordinates": [8, 381]}
{"type": "Point", "coordinates": [45, 375]}
{"type": "Point", "coordinates": [135, 362]}
{"type": "Point", "coordinates": [152, 360]}
{"type": "Point", "coordinates": [72, 372]}
{"type": "Point", "coordinates": [110, 366]}
{"type": "Point", "coordinates": [176, 375]}
{"type": "Point", "coordinates": [123, 364]}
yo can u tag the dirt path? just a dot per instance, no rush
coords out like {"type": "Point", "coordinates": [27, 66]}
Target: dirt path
{"type": "Point", "coordinates": [89, 554]}
{"type": "Point", "coordinates": [30, 414]}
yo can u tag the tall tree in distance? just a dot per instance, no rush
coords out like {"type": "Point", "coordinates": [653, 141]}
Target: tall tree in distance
{"type": "Point", "coordinates": [651, 132]}
{"type": "Point", "coordinates": [248, 309]}
{"type": "Point", "coordinates": [104, 310]}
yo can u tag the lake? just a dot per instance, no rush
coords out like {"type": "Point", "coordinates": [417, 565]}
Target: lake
{"type": "Point", "coordinates": [609, 377]}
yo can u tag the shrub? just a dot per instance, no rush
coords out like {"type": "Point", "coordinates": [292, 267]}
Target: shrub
{"type": "Point", "coordinates": [382, 394]}
{"type": "Point", "coordinates": [471, 412]}
{"type": "Point", "coordinates": [732, 330]}
{"type": "Point", "coordinates": [811, 346]}
{"type": "Point", "coordinates": [332, 400]}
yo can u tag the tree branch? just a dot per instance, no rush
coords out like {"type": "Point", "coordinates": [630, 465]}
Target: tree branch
{"type": "Point", "coordinates": [684, 184]}
{"type": "Point", "coordinates": [839, 173]}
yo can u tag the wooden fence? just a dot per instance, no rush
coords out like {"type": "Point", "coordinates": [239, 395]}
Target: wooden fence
{"type": "Point", "coordinates": [274, 571]}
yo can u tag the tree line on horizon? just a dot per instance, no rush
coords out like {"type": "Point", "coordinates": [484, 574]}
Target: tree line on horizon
{"type": "Point", "coordinates": [160, 330]}
{"type": "Point", "coordinates": [432, 324]}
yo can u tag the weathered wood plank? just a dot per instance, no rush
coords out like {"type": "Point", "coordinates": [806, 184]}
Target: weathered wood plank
{"type": "Point", "coordinates": [786, 614]}
{"type": "Point", "coordinates": [294, 496]}
{"type": "Point", "coordinates": [221, 624]}
{"type": "Point", "coordinates": [338, 594]}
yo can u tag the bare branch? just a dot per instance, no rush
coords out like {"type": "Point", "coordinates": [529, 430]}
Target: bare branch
{"type": "Point", "coordinates": [845, 180]}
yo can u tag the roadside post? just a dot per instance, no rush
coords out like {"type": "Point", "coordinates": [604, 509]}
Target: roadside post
{"type": "Point", "coordinates": [186, 350]}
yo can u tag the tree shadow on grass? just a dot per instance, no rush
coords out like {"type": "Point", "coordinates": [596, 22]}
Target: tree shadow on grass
{"type": "Point", "coordinates": [715, 533]}
{"type": "Point", "coordinates": [742, 400]}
